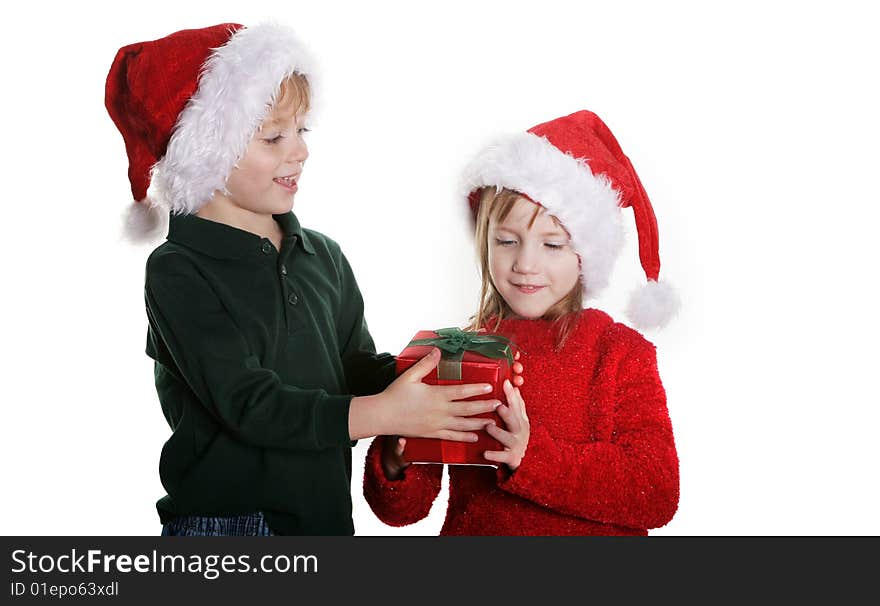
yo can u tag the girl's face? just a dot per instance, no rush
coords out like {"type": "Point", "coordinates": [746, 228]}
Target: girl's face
{"type": "Point", "coordinates": [265, 179]}
{"type": "Point", "coordinates": [533, 268]}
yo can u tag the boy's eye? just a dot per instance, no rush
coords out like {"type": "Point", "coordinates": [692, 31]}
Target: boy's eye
{"type": "Point", "coordinates": [274, 140]}
{"type": "Point", "coordinates": [303, 130]}
{"type": "Point", "coordinates": [554, 245]}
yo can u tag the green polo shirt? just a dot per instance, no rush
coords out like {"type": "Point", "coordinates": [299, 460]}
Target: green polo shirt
{"type": "Point", "coordinates": [258, 354]}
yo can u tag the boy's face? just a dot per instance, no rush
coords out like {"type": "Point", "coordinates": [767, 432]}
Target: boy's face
{"type": "Point", "coordinates": [265, 179]}
{"type": "Point", "coordinates": [533, 268]}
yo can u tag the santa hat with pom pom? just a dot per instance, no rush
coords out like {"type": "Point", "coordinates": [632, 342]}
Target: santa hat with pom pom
{"type": "Point", "coordinates": [574, 167]}
{"type": "Point", "coordinates": [187, 105]}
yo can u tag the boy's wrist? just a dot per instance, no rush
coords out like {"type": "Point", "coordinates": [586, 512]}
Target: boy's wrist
{"type": "Point", "coordinates": [366, 417]}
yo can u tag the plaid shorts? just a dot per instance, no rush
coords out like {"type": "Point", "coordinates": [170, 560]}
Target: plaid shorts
{"type": "Point", "coordinates": [250, 524]}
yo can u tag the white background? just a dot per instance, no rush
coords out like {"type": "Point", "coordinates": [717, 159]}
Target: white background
{"type": "Point", "coordinates": [754, 130]}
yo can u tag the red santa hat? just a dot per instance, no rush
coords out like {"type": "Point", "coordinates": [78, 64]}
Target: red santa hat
{"type": "Point", "coordinates": [187, 105]}
{"type": "Point", "coordinates": [574, 167]}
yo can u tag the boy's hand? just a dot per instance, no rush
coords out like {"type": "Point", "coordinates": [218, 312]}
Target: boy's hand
{"type": "Point", "coordinates": [392, 457]}
{"type": "Point", "coordinates": [411, 408]}
{"type": "Point", "coordinates": [516, 438]}
{"type": "Point", "coordinates": [431, 411]}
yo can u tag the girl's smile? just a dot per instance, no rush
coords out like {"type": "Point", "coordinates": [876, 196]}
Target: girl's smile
{"type": "Point", "coordinates": [527, 288]}
{"type": "Point", "coordinates": [531, 261]}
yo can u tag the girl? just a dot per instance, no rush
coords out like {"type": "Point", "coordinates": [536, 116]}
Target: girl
{"type": "Point", "coordinates": [588, 444]}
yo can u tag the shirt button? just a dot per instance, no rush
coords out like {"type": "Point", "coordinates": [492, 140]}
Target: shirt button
{"type": "Point", "coordinates": [293, 299]}
{"type": "Point", "coordinates": [267, 247]}
{"type": "Point", "coordinates": [283, 270]}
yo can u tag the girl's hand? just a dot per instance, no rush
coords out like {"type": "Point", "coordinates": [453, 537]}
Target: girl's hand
{"type": "Point", "coordinates": [516, 438]}
{"type": "Point", "coordinates": [517, 371]}
{"type": "Point", "coordinates": [517, 366]}
{"type": "Point", "coordinates": [392, 457]}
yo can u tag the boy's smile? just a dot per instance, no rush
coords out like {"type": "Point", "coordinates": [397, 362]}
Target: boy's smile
{"type": "Point", "coordinates": [266, 178]}
{"type": "Point", "coordinates": [288, 182]}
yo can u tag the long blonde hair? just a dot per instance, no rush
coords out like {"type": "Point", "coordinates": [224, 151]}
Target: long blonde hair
{"type": "Point", "coordinates": [496, 205]}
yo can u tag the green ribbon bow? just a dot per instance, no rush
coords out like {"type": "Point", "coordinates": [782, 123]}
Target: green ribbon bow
{"type": "Point", "coordinates": [453, 342]}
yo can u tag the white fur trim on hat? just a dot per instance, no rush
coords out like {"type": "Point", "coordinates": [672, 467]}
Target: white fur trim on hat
{"type": "Point", "coordinates": [238, 82]}
{"type": "Point", "coordinates": [586, 204]}
{"type": "Point", "coordinates": [653, 305]}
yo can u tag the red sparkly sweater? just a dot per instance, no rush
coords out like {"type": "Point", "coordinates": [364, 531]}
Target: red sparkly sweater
{"type": "Point", "coordinates": [601, 458]}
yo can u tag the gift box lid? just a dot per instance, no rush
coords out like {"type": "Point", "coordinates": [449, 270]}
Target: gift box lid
{"type": "Point", "coordinates": [472, 348]}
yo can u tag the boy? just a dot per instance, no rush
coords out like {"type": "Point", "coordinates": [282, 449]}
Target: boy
{"type": "Point", "coordinates": [263, 362]}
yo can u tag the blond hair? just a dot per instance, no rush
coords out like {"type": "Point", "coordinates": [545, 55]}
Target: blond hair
{"type": "Point", "coordinates": [293, 96]}
{"type": "Point", "coordinates": [495, 204]}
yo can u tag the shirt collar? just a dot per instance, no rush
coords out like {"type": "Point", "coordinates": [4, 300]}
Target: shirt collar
{"type": "Point", "coordinates": [223, 241]}
{"type": "Point", "coordinates": [291, 227]}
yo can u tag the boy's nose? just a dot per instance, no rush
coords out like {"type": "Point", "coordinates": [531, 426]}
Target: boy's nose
{"type": "Point", "coordinates": [299, 152]}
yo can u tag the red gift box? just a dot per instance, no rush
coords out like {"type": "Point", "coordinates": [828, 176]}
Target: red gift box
{"type": "Point", "coordinates": [456, 368]}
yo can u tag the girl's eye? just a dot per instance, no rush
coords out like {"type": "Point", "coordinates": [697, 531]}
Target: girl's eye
{"type": "Point", "coordinates": [273, 140]}
{"type": "Point", "coordinates": [554, 245]}
{"type": "Point", "coordinates": [503, 242]}
{"type": "Point", "coordinates": [303, 130]}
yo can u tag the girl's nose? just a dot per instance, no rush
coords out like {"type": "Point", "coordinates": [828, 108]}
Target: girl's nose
{"type": "Point", "coordinates": [524, 263]}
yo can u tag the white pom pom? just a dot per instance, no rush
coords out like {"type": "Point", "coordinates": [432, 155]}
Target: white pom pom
{"type": "Point", "coordinates": [145, 223]}
{"type": "Point", "coordinates": [653, 305]}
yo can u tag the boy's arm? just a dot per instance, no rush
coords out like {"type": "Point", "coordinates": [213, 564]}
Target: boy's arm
{"type": "Point", "coordinates": [366, 372]}
{"type": "Point", "coordinates": [216, 362]}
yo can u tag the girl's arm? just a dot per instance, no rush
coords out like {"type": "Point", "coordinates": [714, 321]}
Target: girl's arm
{"type": "Point", "coordinates": [628, 477]}
{"type": "Point", "coordinates": [402, 501]}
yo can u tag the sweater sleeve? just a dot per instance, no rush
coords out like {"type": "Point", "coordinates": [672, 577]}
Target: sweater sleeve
{"type": "Point", "coordinates": [218, 365]}
{"type": "Point", "coordinates": [366, 372]}
{"type": "Point", "coordinates": [629, 477]}
{"type": "Point", "coordinates": [404, 501]}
